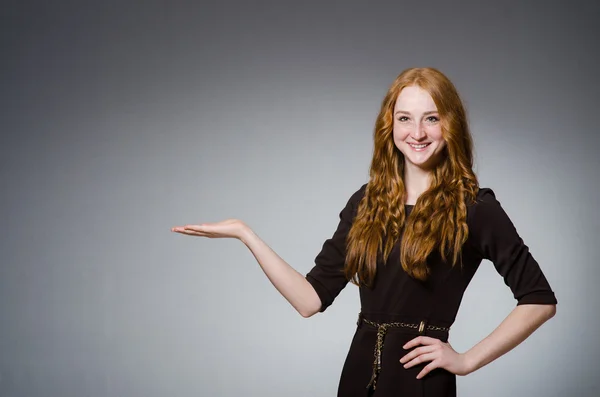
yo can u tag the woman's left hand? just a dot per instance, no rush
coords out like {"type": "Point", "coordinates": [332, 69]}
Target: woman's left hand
{"type": "Point", "coordinates": [441, 355]}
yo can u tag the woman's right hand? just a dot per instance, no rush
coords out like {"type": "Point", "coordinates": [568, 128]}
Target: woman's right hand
{"type": "Point", "coordinates": [231, 228]}
{"type": "Point", "coordinates": [291, 284]}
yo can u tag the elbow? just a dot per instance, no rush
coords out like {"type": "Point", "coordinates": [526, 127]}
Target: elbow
{"type": "Point", "coordinates": [547, 311]}
{"type": "Point", "coordinates": [311, 305]}
{"type": "Point", "coordinates": [308, 312]}
{"type": "Point", "coordinates": [543, 311]}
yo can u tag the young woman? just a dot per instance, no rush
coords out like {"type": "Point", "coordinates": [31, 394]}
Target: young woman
{"type": "Point", "coordinates": [412, 238]}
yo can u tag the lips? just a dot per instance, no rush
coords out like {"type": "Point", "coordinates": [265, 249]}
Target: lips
{"type": "Point", "coordinates": [419, 146]}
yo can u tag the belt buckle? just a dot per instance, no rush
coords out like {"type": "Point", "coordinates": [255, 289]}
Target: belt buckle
{"type": "Point", "coordinates": [422, 327]}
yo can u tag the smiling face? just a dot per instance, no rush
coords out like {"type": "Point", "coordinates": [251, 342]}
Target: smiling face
{"type": "Point", "coordinates": [417, 128]}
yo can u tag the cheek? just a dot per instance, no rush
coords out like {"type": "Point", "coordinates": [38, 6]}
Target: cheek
{"type": "Point", "coordinates": [399, 136]}
{"type": "Point", "coordinates": [401, 132]}
{"type": "Point", "coordinates": [435, 133]}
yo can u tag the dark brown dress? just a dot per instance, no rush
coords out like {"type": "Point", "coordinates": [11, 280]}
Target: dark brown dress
{"type": "Point", "coordinates": [397, 297]}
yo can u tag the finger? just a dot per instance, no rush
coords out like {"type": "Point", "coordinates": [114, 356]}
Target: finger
{"type": "Point", "coordinates": [199, 234]}
{"type": "Point", "coordinates": [423, 358]}
{"type": "Point", "coordinates": [191, 232]}
{"type": "Point", "coordinates": [181, 228]}
{"type": "Point", "coordinates": [196, 228]}
{"type": "Point", "coordinates": [418, 351]}
{"type": "Point", "coordinates": [428, 368]}
{"type": "Point", "coordinates": [192, 229]}
{"type": "Point", "coordinates": [421, 340]}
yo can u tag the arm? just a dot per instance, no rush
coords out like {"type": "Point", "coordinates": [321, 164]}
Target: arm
{"type": "Point", "coordinates": [497, 239]}
{"type": "Point", "coordinates": [290, 283]}
{"type": "Point", "coordinates": [310, 294]}
{"type": "Point", "coordinates": [494, 236]}
{"type": "Point", "coordinates": [516, 327]}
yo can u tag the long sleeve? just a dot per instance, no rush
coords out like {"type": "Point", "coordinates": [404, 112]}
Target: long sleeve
{"type": "Point", "coordinates": [495, 237]}
{"type": "Point", "coordinates": [327, 276]}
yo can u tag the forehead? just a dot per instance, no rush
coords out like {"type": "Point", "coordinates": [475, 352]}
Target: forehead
{"type": "Point", "coordinates": [414, 98]}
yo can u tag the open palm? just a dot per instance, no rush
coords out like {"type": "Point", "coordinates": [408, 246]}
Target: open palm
{"type": "Point", "coordinates": [229, 228]}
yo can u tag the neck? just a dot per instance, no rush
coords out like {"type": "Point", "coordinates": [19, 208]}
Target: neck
{"type": "Point", "coordinates": [416, 181]}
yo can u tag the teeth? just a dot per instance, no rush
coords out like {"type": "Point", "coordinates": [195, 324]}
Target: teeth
{"type": "Point", "coordinates": [419, 146]}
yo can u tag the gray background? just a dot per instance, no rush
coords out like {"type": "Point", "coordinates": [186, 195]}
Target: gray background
{"type": "Point", "coordinates": [122, 119]}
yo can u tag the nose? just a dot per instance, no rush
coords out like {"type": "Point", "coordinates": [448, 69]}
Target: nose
{"type": "Point", "coordinates": [418, 133]}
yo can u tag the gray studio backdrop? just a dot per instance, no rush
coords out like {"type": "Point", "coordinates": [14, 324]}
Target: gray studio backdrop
{"type": "Point", "coordinates": [122, 119]}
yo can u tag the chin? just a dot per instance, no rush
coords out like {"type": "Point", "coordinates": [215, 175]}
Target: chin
{"type": "Point", "coordinates": [426, 160]}
{"type": "Point", "coordinates": [426, 163]}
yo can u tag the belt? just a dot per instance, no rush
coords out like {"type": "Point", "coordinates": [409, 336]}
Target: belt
{"type": "Point", "coordinates": [382, 328]}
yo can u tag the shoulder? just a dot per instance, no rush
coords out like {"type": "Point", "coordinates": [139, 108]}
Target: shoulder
{"type": "Point", "coordinates": [356, 196]}
{"type": "Point", "coordinates": [485, 209]}
{"type": "Point", "coordinates": [354, 200]}
{"type": "Point", "coordinates": [485, 195]}
{"type": "Point", "coordinates": [351, 208]}
{"type": "Point", "coordinates": [484, 200]}
{"type": "Point", "coordinates": [486, 213]}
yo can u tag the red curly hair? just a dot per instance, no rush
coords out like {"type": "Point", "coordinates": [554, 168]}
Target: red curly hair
{"type": "Point", "coordinates": [438, 221]}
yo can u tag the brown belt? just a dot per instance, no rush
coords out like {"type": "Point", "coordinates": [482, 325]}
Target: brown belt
{"type": "Point", "coordinates": [382, 330]}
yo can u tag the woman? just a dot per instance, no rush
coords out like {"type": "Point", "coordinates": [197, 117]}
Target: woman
{"type": "Point", "coordinates": [412, 239]}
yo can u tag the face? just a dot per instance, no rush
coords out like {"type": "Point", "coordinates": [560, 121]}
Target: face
{"type": "Point", "coordinates": [417, 128]}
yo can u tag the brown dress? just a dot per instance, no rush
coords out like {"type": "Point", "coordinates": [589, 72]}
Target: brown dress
{"type": "Point", "coordinates": [396, 297]}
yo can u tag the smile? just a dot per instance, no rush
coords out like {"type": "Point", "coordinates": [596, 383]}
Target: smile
{"type": "Point", "coordinates": [419, 147]}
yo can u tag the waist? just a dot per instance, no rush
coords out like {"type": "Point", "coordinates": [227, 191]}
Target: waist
{"type": "Point", "coordinates": [407, 324]}
{"type": "Point", "coordinates": [396, 322]}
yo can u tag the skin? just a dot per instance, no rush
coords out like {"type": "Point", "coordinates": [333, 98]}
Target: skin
{"type": "Point", "coordinates": [415, 121]}
{"type": "Point", "coordinates": [290, 283]}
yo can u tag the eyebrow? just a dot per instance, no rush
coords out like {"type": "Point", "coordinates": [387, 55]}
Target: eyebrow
{"type": "Point", "coordinates": [425, 114]}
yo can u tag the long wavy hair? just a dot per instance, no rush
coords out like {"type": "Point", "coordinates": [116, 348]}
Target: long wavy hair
{"type": "Point", "coordinates": [438, 221]}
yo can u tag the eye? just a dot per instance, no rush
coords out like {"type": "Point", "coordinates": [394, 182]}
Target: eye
{"type": "Point", "coordinates": [432, 119]}
{"type": "Point", "coordinates": [402, 118]}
